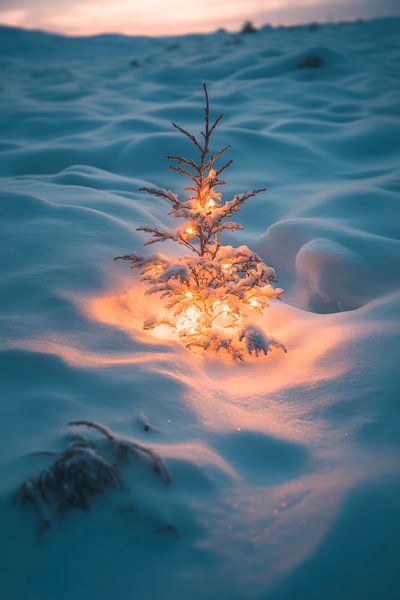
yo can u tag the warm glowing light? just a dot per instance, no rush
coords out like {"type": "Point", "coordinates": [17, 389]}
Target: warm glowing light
{"type": "Point", "coordinates": [189, 320]}
{"type": "Point", "coordinates": [309, 341]}
{"type": "Point", "coordinates": [193, 282]}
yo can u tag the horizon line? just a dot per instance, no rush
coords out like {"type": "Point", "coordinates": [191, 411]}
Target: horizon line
{"type": "Point", "coordinates": [305, 23]}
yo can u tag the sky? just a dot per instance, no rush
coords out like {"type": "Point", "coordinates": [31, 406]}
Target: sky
{"type": "Point", "coordinates": [171, 17]}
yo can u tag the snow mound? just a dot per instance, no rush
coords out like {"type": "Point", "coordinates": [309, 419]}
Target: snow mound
{"type": "Point", "coordinates": [326, 277]}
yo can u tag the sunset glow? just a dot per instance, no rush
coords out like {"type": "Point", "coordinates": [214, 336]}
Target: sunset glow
{"type": "Point", "coordinates": [163, 17]}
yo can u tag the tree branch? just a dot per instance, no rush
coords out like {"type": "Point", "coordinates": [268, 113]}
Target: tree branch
{"type": "Point", "coordinates": [189, 135]}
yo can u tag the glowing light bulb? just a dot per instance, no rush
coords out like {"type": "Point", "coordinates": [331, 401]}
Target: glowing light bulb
{"type": "Point", "coordinates": [189, 295]}
{"type": "Point", "coordinates": [211, 203]}
{"type": "Point", "coordinates": [189, 320]}
{"type": "Point", "coordinates": [226, 308]}
{"type": "Point", "coordinates": [189, 230]}
{"type": "Point", "coordinates": [226, 266]}
{"type": "Point", "coordinates": [253, 302]}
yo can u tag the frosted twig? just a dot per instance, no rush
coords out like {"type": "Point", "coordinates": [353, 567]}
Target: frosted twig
{"type": "Point", "coordinates": [125, 445]}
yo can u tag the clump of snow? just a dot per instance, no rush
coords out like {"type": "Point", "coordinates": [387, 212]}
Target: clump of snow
{"type": "Point", "coordinates": [257, 342]}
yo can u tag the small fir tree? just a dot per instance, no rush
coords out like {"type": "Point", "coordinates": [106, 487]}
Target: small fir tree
{"type": "Point", "coordinates": [213, 292]}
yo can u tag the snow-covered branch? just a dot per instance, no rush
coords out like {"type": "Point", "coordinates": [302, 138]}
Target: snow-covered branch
{"type": "Point", "coordinates": [160, 192]}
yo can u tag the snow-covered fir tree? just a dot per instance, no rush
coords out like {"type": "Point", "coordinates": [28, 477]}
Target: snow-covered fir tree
{"type": "Point", "coordinates": [212, 293]}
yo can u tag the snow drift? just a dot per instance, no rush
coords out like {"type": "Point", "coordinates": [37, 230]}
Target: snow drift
{"type": "Point", "coordinates": [284, 473]}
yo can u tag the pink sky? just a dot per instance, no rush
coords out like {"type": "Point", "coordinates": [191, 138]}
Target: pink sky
{"type": "Point", "coordinates": [169, 17]}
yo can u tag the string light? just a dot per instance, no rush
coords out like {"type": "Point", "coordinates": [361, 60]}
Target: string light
{"type": "Point", "coordinates": [189, 320]}
{"type": "Point", "coordinates": [206, 291]}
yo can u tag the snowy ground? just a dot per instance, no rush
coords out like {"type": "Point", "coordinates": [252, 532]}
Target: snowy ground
{"type": "Point", "coordinates": [285, 482]}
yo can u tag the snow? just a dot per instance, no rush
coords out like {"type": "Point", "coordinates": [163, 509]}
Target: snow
{"type": "Point", "coordinates": [285, 478]}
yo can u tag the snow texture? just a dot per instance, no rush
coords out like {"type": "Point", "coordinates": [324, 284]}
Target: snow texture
{"type": "Point", "coordinates": [284, 470]}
